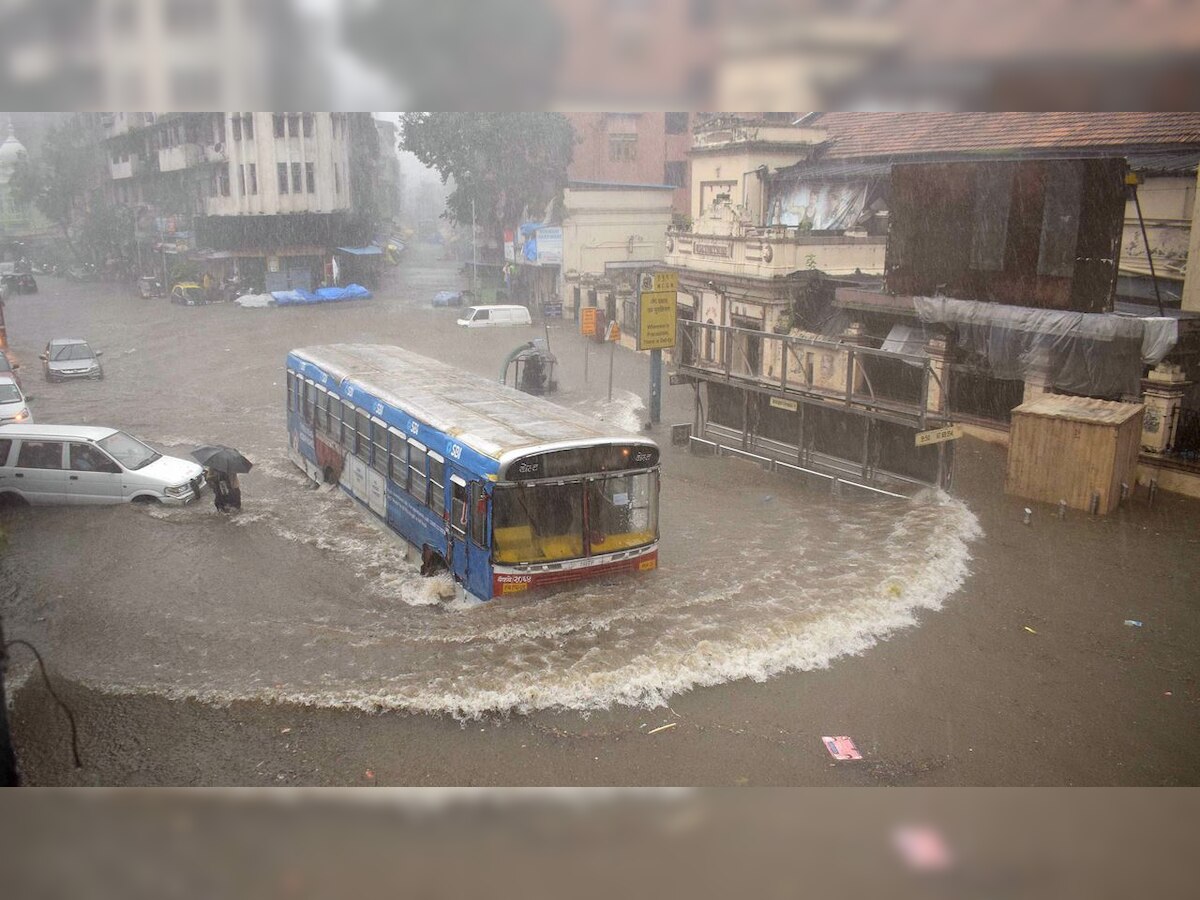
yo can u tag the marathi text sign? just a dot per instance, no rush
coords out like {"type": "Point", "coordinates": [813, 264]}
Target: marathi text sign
{"type": "Point", "coordinates": [587, 321]}
{"type": "Point", "coordinates": [656, 320]}
{"type": "Point", "coordinates": [939, 435]}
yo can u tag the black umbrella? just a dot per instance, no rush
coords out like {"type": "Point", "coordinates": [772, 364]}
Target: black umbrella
{"type": "Point", "coordinates": [222, 459]}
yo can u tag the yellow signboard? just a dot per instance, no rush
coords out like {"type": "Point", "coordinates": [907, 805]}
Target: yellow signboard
{"type": "Point", "coordinates": [939, 435]}
{"type": "Point", "coordinates": [656, 320]}
{"type": "Point", "coordinates": [587, 321]}
{"type": "Point", "coordinates": [780, 403]}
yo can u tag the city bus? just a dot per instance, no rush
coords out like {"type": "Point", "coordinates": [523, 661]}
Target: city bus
{"type": "Point", "coordinates": [506, 491]}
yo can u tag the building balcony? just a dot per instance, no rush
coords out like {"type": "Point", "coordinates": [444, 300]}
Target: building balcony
{"type": "Point", "coordinates": [183, 156]}
{"type": "Point", "coordinates": [775, 253]}
{"type": "Point", "coordinates": [127, 168]}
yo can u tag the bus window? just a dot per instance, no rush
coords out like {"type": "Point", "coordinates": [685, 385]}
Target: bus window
{"type": "Point", "coordinates": [349, 435]}
{"type": "Point", "coordinates": [380, 460]}
{"type": "Point", "coordinates": [364, 436]}
{"type": "Point", "coordinates": [478, 514]}
{"type": "Point", "coordinates": [291, 392]}
{"type": "Point", "coordinates": [321, 418]}
{"type": "Point", "coordinates": [416, 467]}
{"type": "Point", "coordinates": [537, 523]}
{"type": "Point", "coordinates": [335, 418]}
{"type": "Point", "coordinates": [622, 512]}
{"type": "Point", "coordinates": [399, 473]}
{"type": "Point", "coordinates": [437, 484]}
{"type": "Point", "coordinates": [458, 508]}
{"type": "Point", "coordinates": [307, 397]}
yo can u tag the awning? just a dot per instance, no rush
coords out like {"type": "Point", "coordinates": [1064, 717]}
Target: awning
{"type": "Point", "coordinates": [361, 251]}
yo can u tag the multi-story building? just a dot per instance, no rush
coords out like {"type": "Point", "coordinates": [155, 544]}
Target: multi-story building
{"type": "Point", "coordinates": [263, 197]}
{"type": "Point", "coordinates": [634, 148]}
{"type": "Point", "coordinates": [736, 269]}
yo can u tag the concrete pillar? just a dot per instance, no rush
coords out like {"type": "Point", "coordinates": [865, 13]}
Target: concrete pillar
{"type": "Point", "coordinates": [856, 335]}
{"type": "Point", "coordinates": [937, 399]}
{"type": "Point", "coordinates": [1191, 282]}
{"type": "Point", "coordinates": [1162, 393]}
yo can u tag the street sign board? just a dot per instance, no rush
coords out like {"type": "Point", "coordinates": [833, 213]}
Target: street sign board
{"type": "Point", "coordinates": [781, 403]}
{"type": "Point", "coordinates": [665, 281]}
{"type": "Point", "coordinates": [939, 435]}
{"type": "Point", "coordinates": [587, 320]}
{"type": "Point", "coordinates": [656, 320]}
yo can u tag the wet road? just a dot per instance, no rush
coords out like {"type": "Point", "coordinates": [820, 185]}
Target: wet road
{"type": "Point", "coordinates": [303, 597]}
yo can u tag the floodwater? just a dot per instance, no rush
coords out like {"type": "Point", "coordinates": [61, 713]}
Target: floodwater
{"type": "Point", "coordinates": [304, 597]}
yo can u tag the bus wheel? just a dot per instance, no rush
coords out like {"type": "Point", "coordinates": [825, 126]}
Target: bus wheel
{"type": "Point", "coordinates": [432, 562]}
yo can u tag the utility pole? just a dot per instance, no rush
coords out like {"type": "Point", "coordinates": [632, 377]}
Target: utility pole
{"type": "Point", "coordinates": [474, 256]}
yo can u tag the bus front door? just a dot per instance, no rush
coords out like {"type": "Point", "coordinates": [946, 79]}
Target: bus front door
{"type": "Point", "coordinates": [469, 556]}
{"type": "Point", "coordinates": [456, 538]}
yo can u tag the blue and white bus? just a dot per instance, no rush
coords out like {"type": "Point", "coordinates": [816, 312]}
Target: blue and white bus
{"type": "Point", "coordinates": [506, 491]}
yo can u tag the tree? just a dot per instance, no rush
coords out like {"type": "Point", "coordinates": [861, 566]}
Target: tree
{"type": "Point", "coordinates": [61, 182]}
{"type": "Point", "coordinates": [506, 162]}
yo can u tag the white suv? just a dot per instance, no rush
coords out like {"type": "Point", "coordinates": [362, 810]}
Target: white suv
{"type": "Point", "coordinates": [56, 464]}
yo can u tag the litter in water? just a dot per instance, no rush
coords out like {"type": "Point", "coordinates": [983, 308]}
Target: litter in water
{"type": "Point", "coordinates": [922, 848]}
{"type": "Point", "coordinates": [1133, 623]}
{"type": "Point", "coordinates": [662, 728]}
{"type": "Point", "coordinates": [1030, 630]}
{"type": "Point", "coordinates": [841, 747]}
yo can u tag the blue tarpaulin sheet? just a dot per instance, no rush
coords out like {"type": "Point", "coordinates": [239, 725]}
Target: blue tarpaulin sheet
{"type": "Point", "coordinates": [321, 295]}
{"type": "Point", "coordinates": [361, 251]}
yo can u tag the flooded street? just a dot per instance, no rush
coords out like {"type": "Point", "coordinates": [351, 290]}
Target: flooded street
{"type": "Point", "coordinates": [303, 597]}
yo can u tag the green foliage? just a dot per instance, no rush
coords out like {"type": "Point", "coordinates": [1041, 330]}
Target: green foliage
{"type": "Point", "coordinates": [508, 163]}
{"type": "Point", "coordinates": [66, 183]}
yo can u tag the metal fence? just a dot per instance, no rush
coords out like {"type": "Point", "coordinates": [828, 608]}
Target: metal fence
{"type": "Point", "coordinates": [896, 385]}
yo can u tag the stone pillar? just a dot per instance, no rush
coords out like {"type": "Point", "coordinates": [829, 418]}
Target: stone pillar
{"type": "Point", "coordinates": [937, 398]}
{"type": "Point", "coordinates": [1162, 392]}
{"type": "Point", "coordinates": [1191, 282]}
{"type": "Point", "coordinates": [856, 335]}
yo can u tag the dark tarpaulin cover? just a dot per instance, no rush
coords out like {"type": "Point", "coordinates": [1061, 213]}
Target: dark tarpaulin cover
{"type": "Point", "coordinates": [1094, 354]}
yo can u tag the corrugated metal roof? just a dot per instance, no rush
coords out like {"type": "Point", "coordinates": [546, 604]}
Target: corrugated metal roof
{"type": "Point", "coordinates": [858, 135]}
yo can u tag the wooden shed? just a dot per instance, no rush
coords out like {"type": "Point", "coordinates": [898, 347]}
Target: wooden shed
{"type": "Point", "coordinates": [1074, 448]}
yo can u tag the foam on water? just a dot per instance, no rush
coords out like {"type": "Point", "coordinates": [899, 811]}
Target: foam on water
{"type": "Point", "coordinates": [810, 584]}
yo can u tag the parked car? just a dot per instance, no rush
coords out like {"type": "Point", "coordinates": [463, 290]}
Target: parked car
{"type": "Point", "coordinates": [484, 316]}
{"type": "Point", "coordinates": [149, 286]}
{"type": "Point", "coordinates": [14, 407]}
{"type": "Point", "coordinates": [449, 298]}
{"type": "Point", "coordinates": [188, 293]}
{"type": "Point", "coordinates": [9, 367]}
{"type": "Point", "coordinates": [56, 464]}
{"type": "Point", "coordinates": [67, 358]}
{"type": "Point", "coordinates": [22, 283]}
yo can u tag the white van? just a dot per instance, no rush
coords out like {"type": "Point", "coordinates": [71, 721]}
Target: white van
{"type": "Point", "coordinates": [55, 464]}
{"type": "Point", "coordinates": [484, 316]}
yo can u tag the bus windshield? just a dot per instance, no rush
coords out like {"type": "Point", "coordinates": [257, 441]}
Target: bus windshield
{"type": "Point", "coordinates": [552, 522]}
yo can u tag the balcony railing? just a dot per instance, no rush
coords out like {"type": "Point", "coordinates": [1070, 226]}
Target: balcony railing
{"type": "Point", "coordinates": [887, 385]}
{"type": "Point", "coordinates": [770, 253]}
